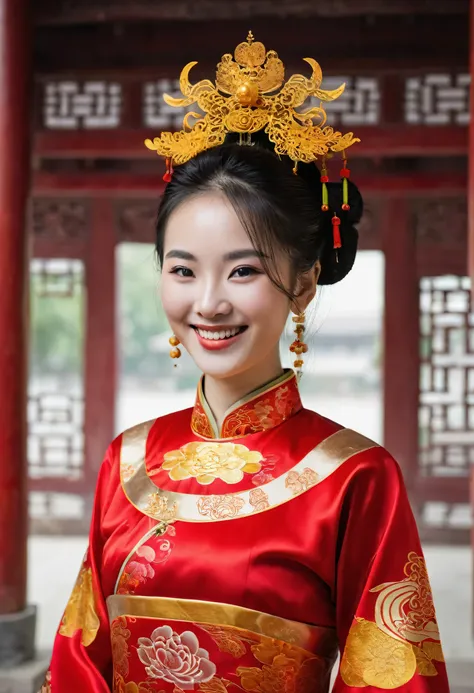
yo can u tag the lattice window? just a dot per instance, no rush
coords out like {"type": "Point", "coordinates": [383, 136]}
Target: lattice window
{"type": "Point", "coordinates": [56, 401]}
{"type": "Point", "coordinates": [156, 113]}
{"type": "Point", "coordinates": [358, 105]}
{"type": "Point", "coordinates": [446, 415]}
{"type": "Point", "coordinates": [71, 106]}
{"type": "Point", "coordinates": [58, 278]}
{"type": "Point", "coordinates": [55, 441]}
{"type": "Point", "coordinates": [437, 99]}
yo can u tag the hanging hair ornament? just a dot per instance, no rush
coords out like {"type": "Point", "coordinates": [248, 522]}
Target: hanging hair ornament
{"type": "Point", "coordinates": [175, 353]}
{"type": "Point", "coordinates": [169, 171]}
{"type": "Point", "coordinates": [336, 232]}
{"type": "Point", "coordinates": [298, 347]}
{"type": "Point", "coordinates": [345, 175]}
{"type": "Point", "coordinates": [250, 94]}
{"type": "Point", "coordinates": [324, 188]}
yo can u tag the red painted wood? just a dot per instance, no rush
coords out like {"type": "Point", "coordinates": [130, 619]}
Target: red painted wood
{"type": "Point", "coordinates": [100, 348]}
{"type": "Point", "coordinates": [339, 43]}
{"type": "Point", "coordinates": [62, 248]}
{"type": "Point", "coordinates": [396, 140]}
{"type": "Point", "coordinates": [445, 489]}
{"type": "Point", "coordinates": [401, 337]}
{"type": "Point", "coordinates": [470, 267]}
{"type": "Point", "coordinates": [471, 160]}
{"type": "Point", "coordinates": [110, 185]}
{"type": "Point", "coordinates": [14, 179]}
{"type": "Point", "coordinates": [60, 485]}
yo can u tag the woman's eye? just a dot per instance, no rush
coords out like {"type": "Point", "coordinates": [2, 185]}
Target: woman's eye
{"type": "Point", "coordinates": [243, 272]}
{"type": "Point", "coordinates": [182, 271]}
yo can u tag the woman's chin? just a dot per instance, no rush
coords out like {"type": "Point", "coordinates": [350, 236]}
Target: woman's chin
{"type": "Point", "coordinates": [222, 366]}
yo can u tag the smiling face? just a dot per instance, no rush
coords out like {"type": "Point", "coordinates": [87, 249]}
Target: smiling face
{"type": "Point", "coordinates": [219, 301]}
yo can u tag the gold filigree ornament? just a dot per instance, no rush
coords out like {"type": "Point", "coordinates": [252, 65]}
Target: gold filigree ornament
{"type": "Point", "coordinates": [250, 94]}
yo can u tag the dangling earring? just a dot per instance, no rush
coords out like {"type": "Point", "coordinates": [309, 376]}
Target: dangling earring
{"type": "Point", "coordinates": [175, 353]}
{"type": "Point", "coordinates": [298, 347]}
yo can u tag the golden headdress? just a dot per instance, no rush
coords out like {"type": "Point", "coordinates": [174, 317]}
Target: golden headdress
{"type": "Point", "coordinates": [250, 94]}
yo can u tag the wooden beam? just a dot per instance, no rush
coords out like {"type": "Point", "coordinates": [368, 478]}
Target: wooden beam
{"type": "Point", "coordinates": [401, 338]}
{"type": "Point", "coordinates": [377, 142]}
{"type": "Point", "coordinates": [406, 41]}
{"type": "Point", "coordinates": [97, 184]}
{"type": "Point", "coordinates": [60, 12]}
{"type": "Point", "coordinates": [470, 262]}
{"type": "Point", "coordinates": [100, 347]}
{"type": "Point", "coordinates": [15, 91]}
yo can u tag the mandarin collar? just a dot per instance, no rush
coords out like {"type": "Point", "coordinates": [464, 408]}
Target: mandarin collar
{"type": "Point", "coordinates": [260, 410]}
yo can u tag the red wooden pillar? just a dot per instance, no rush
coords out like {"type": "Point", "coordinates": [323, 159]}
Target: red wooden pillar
{"type": "Point", "coordinates": [101, 343]}
{"type": "Point", "coordinates": [401, 338]}
{"type": "Point", "coordinates": [14, 183]}
{"type": "Point", "coordinates": [470, 268]}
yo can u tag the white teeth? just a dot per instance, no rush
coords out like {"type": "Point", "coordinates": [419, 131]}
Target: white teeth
{"type": "Point", "coordinates": [222, 334]}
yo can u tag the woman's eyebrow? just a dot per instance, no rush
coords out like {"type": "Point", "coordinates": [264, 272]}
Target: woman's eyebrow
{"type": "Point", "coordinates": [180, 254]}
{"type": "Point", "coordinates": [244, 253]}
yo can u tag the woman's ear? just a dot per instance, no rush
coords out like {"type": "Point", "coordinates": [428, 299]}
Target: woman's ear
{"type": "Point", "coordinates": [305, 289]}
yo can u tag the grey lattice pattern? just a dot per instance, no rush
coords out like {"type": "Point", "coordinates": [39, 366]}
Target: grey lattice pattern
{"type": "Point", "coordinates": [437, 99]}
{"type": "Point", "coordinates": [70, 105]}
{"type": "Point", "coordinates": [446, 414]}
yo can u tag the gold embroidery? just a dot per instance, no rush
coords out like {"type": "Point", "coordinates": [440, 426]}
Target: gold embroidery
{"type": "Point", "coordinates": [404, 638]}
{"type": "Point", "coordinates": [228, 616]}
{"type": "Point", "coordinates": [121, 686]}
{"type": "Point", "coordinates": [372, 658]}
{"type": "Point", "coordinates": [144, 495]}
{"type": "Point", "coordinates": [301, 482]}
{"type": "Point", "coordinates": [284, 669]}
{"type": "Point", "coordinates": [261, 410]}
{"type": "Point", "coordinates": [405, 609]}
{"type": "Point", "coordinates": [209, 461]}
{"type": "Point", "coordinates": [119, 635]}
{"type": "Point", "coordinates": [220, 507]}
{"type": "Point", "coordinates": [215, 685]}
{"type": "Point", "coordinates": [157, 507]}
{"type": "Point", "coordinates": [175, 657]}
{"type": "Point", "coordinates": [227, 640]}
{"type": "Point", "coordinates": [127, 471]}
{"type": "Point", "coordinates": [199, 422]}
{"type": "Point", "coordinates": [258, 499]}
{"type": "Point", "coordinates": [80, 614]}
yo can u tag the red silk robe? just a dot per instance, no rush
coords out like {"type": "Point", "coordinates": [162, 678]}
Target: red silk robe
{"type": "Point", "coordinates": [244, 559]}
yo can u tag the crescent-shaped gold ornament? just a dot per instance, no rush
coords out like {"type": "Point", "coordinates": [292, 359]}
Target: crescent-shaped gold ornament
{"type": "Point", "coordinates": [250, 94]}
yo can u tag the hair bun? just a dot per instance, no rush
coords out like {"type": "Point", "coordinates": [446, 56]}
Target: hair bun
{"type": "Point", "coordinates": [335, 264]}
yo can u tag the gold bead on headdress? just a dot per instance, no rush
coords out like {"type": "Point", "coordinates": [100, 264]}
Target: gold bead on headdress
{"type": "Point", "coordinates": [250, 94]}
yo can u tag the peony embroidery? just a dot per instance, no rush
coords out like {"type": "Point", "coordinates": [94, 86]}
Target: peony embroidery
{"type": "Point", "coordinates": [175, 658]}
{"type": "Point", "coordinates": [208, 461]}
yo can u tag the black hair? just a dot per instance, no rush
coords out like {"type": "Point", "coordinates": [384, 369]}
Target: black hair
{"type": "Point", "coordinates": [278, 209]}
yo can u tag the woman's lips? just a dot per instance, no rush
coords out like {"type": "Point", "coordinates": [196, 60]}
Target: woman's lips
{"type": "Point", "coordinates": [217, 344]}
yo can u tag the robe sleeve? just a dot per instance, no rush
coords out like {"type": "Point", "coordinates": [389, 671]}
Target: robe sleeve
{"type": "Point", "coordinates": [386, 623]}
{"type": "Point", "coordinates": [82, 659]}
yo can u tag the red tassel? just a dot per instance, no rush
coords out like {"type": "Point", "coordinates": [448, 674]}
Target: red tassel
{"type": "Point", "coordinates": [169, 171]}
{"type": "Point", "coordinates": [336, 232]}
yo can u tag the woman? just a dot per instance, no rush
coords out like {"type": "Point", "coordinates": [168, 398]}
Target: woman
{"type": "Point", "coordinates": [238, 545]}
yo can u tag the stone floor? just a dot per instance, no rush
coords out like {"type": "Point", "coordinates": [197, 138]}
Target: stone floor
{"type": "Point", "coordinates": [53, 564]}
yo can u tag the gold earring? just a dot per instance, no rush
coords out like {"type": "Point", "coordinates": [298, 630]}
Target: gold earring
{"type": "Point", "coordinates": [298, 347]}
{"type": "Point", "coordinates": [175, 353]}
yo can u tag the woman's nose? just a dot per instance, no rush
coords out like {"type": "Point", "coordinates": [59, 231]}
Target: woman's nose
{"type": "Point", "coordinates": [212, 302]}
